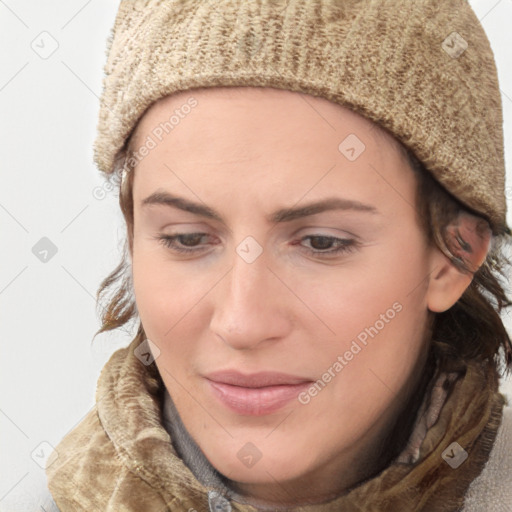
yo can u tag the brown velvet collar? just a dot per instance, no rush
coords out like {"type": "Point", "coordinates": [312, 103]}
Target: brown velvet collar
{"type": "Point", "coordinates": [462, 404]}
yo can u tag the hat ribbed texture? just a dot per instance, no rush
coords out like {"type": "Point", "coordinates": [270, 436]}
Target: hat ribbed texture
{"type": "Point", "coordinates": [392, 61]}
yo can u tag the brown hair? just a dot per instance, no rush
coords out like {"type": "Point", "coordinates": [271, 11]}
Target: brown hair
{"type": "Point", "coordinates": [472, 326]}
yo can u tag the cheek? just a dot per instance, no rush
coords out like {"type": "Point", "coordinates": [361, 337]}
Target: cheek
{"type": "Point", "coordinates": [378, 314]}
{"type": "Point", "coordinates": [353, 297]}
{"type": "Point", "coordinates": [162, 296]}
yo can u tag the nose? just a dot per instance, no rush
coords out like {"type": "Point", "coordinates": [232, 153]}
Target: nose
{"type": "Point", "coordinates": [252, 306]}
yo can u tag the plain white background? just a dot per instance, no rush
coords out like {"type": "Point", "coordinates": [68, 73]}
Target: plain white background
{"type": "Point", "coordinates": [50, 188]}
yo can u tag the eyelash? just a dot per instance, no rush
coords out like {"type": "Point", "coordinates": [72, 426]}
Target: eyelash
{"type": "Point", "coordinates": [346, 245]}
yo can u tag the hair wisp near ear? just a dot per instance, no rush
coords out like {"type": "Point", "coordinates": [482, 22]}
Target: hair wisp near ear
{"type": "Point", "coordinates": [468, 238]}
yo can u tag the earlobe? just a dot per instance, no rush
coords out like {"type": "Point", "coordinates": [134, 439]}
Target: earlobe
{"type": "Point", "coordinates": [468, 238]}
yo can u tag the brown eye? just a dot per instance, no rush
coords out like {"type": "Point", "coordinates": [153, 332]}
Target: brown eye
{"type": "Point", "coordinates": [328, 245]}
{"type": "Point", "coordinates": [321, 242]}
{"type": "Point", "coordinates": [190, 240]}
{"type": "Point", "coordinates": [187, 242]}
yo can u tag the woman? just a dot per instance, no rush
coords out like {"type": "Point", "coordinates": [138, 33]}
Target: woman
{"type": "Point", "coordinates": [315, 210]}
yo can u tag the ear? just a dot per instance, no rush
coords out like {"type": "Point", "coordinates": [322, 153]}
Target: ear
{"type": "Point", "coordinates": [468, 238]}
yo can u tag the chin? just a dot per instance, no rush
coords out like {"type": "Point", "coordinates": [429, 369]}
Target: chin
{"type": "Point", "coordinates": [245, 463]}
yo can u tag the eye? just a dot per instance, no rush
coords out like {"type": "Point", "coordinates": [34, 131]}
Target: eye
{"type": "Point", "coordinates": [328, 245]}
{"type": "Point", "coordinates": [188, 241]}
{"type": "Point", "coordinates": [320, 245]}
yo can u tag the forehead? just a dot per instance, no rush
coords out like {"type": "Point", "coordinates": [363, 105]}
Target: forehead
{"type": "Point", "coordinates": [253, 98]}
{"type": "Point", "coordinates": [269, 145]}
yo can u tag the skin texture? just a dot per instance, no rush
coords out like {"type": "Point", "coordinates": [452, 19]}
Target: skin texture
{"type": "Point", "coordinates": [246, 153]}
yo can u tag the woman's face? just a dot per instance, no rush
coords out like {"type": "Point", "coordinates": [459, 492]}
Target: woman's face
{"type": "Point", "coordinates": [305, 260]}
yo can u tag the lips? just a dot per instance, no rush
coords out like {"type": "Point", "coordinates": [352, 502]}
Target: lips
{"type": "Point", "coordinates": [255, 380]}
{"type": "Point", "coordinates": [255, 394]}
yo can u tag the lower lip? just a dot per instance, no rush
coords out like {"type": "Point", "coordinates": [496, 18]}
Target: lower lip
{"type": "Point", "coordinates": [256, 401]}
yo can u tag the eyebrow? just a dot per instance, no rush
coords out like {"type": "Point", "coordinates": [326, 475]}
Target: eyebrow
{"type": "Point", "coordinates": [281, 215]}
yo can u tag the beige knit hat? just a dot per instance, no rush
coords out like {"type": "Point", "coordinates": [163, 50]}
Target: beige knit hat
{"type": "Point", "coordinates": [422, 69]}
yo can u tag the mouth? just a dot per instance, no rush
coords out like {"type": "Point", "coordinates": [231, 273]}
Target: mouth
{"type": "Point", "coordinates": [255, 394]}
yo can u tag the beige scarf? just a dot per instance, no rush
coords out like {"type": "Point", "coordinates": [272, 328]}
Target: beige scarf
{"type": "Point", "coordinates": [121, 457]}
{"type": "Point", "coordinates": [430, 473]}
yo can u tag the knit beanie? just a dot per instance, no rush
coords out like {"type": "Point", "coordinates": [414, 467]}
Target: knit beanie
{"type": "Point", "coordinates": [423, 70]}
